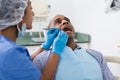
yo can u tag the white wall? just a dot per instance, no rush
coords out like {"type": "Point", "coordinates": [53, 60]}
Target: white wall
{"type": "Point", "coordinates": [64, 7]}
{"type": "Point", "coordinates": [103, 28]}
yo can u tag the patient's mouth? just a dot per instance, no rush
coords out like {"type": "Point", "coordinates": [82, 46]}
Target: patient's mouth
{"type": "Point", "coordinates": [66, 29]}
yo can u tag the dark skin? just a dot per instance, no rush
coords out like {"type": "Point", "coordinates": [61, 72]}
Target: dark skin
{"type": "Point", "coordinates": [10, 32]}
{"type": "Point", "coordinates": [63, 23]}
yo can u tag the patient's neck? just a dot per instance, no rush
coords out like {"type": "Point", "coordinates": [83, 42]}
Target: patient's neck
{"type": "Point", "coordinates": [72, 45]}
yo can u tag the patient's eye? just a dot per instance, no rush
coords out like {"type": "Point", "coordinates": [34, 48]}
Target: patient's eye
{"type": "Point", "coordinates": [57, 21]}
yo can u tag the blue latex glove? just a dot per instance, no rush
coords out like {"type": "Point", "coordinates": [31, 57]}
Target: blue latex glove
{"type": "Point", "coordinates": [50, 36]}
{"type": "Point", "coordinates": [60, 42]}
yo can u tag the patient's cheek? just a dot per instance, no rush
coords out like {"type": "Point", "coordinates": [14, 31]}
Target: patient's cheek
{"type": "Point", "coordinates": [57, 25]}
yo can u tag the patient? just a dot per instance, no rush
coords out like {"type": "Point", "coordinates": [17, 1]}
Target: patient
{"type": "Point", "coordinates": [75, 63]}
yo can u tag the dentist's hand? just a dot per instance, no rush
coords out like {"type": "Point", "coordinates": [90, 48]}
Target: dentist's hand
{"type": "Point", "coordinates": [50, 36]}
{"type": "Point", "coordinates": [60, 42]}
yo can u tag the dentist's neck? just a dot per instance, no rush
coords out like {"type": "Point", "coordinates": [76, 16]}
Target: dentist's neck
{"type": "Point", "coordinates": [10, 32]}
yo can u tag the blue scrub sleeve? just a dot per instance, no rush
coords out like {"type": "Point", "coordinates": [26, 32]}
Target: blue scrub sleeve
{"type": "Point", "coordinates": [18, 66]}
{"type": "Point", "coordinates": [1, 75]}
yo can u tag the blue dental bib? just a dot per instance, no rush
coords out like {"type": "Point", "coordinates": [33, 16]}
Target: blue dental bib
{"type": "Point", "coordinates": [77, 65]}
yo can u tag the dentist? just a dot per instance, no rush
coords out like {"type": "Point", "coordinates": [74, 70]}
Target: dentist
{"type": "Point", "coordinates": [15, 61]}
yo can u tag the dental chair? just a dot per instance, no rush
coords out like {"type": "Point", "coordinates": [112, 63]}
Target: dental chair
{"type": "Point", "coordinates": [113, 59]}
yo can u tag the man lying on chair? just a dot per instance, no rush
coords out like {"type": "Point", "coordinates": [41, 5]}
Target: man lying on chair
{"type": "Point", "coordinates": [75, 63]}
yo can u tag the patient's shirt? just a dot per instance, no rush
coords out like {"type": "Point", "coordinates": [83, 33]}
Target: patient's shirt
{"type": "Point", "coordinates": [73, 65]}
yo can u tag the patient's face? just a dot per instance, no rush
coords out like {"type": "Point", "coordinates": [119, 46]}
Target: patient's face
{"type": "Point", "coordinates": [64, 24]}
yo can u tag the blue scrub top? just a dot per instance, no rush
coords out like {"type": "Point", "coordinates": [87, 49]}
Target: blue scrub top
{"type": "Point", "coordinates": [15, 62]}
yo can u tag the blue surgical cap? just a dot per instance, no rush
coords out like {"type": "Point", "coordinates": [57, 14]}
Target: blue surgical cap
{"type": "Point", "coordinates": [11, 12]}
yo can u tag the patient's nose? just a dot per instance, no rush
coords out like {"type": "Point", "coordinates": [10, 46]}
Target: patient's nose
{"type": "Point", "coordinates": [64, 22]}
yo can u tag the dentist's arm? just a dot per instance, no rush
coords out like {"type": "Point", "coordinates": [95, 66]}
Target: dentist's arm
{"type": "Point", "coordinates": [51, 66]}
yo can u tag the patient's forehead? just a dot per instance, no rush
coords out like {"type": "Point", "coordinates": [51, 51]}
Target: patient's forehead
{"type": "Point", "coordinates": [56, 17]}
{"type": "Point", "coordinates": [59, 16]}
